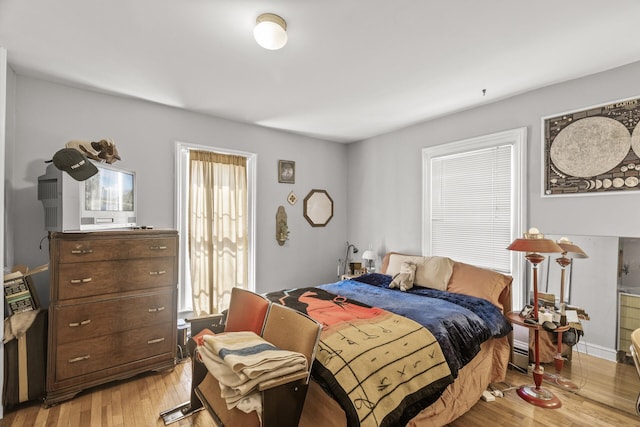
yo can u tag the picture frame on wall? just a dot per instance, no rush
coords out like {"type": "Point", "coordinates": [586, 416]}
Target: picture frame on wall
{"type": "Point", "coordinates": [287, 171]}
{"type": "Point", "coordinates": [594, 150]}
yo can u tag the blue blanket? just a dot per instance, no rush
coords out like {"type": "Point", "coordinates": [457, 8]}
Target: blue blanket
{"type": "Point", "coordinates": [460, 323]}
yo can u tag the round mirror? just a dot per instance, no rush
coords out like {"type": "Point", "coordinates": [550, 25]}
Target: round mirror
{"type": "Point", "coordinates": [318, 208]}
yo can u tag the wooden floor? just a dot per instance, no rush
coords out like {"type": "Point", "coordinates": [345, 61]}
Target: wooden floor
{"type": "Point", "coordinates": [137, 402]}
{"type": "Point", "coordinates": [614, 385]}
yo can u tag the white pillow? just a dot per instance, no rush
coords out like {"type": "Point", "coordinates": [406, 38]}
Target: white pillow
{"type": "Point", "coordinates": [431, 271]}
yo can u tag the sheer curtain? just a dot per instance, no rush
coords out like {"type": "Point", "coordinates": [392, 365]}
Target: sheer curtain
{"type": "Point", "coordinates": [218, 228]}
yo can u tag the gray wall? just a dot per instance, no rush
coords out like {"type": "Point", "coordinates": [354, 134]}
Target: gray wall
{"type": "Point", "coordinates": [375, 184]}
{"type": "Point", "coordinates": [385, 180]}
{"type": "Point", "coordinates": [48, 115]}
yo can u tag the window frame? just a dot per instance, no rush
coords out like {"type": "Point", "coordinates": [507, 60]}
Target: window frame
{"type": "Point", "coordinates": [181, 194]}
{"type": "Point", "coordinates": [517, 138]}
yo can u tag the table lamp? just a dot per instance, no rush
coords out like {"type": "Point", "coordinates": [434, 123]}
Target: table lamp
{"type": "Point", "coordinates": [369, 256]}
{"type": "Point", "coordinates": [534, 243]}
{"type": "Point", "coordinates": [345, 269]}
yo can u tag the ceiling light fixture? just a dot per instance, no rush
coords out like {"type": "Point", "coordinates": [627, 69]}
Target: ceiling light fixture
{"type": "Point", "coordinates": [270, 31]}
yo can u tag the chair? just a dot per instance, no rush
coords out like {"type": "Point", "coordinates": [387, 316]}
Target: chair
{"type": "Point", "coordinates": [635, 353]}
{"type": "Point", "coordinates": [283, 397]}
{"type": "Point", "coordinates": [247, 312]}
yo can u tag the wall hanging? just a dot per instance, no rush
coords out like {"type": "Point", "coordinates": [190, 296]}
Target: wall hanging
{"type": "Point", "coordinates": [318, 208]}
{"type": "Point", "coordinates": [292, 198]}
{"type": "Point", "coordinates": [287, 171]}
{"type": "Point", "coordinates": [593, 151]}
{"type": "Point", "coordinates": [282, 229]}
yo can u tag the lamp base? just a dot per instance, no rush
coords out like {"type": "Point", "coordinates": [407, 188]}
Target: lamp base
{"type": "Point", "coordinates": [539, 397]}
{"type": "Point", "coordinates": [560, 381]}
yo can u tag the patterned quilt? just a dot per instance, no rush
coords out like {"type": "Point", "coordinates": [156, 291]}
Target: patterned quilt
{"type": "Point", "coordinates": [385, 355]}
{"type": "Point", "coordinates": [376, 363]}
{"type": "Point", "coordinates": [459, 322]}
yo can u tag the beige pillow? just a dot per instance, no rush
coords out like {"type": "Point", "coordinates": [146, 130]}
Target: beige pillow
{"type": "Point", "coordinates": [431, 271]}
{"type": "Point", "coordinates": [478, 282]}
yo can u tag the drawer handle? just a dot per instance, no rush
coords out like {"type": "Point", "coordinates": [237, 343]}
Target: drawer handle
{"type": "Point", "coordinates": [79, 359]}
{"type": "Point", "coordinates": [158, 248]}
{"type": "Point", "coordinates": [81, 251]}
{"type": "Point", "coordinates": [85, 280]}
{"type": "Point", "coordinates": [153, 310]}
{"type": "Point", "coordinates": [76, 324]}
{"type": "Point", "coordinates": [157, 273]}
{"type": "Point", "coordinates": [157, 340]}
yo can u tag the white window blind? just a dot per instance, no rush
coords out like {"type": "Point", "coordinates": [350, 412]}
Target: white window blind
{"type": "Point", "coordinates": [471, 204]}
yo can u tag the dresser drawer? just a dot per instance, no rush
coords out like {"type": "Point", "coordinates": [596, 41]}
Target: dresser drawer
{"type": "Point", "coordinates": [107, 277]}
{"type": "Point", "coordinates": [81, 321]}
{"type": "Point", "coordinates": [81, 357]}
{"type": "Point", "coordinates": [86, 250]}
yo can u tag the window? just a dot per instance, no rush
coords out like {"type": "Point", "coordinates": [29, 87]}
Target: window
{"type": "Point", "coordinates": [184, 154]}
{"type": "Point", "coordinates": [473, 201]}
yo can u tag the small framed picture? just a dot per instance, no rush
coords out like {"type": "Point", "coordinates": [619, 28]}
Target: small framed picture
{"type": "Point", "coordinates": [527, 311]}
{"type": "Point", "coordinates": [287, 171]}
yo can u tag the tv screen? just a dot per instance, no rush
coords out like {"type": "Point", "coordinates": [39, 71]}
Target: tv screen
{"type": "Point", "coordinates": [109, 191]}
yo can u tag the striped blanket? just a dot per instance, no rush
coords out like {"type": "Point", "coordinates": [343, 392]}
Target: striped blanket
{"type": "Point", "coordinates": [242, 360]}
{"type": "Point", "coordinates": [376, 363]}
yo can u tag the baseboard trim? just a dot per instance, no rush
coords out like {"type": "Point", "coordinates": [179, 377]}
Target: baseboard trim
{"type": "Point", "coordinates": [596, 351]}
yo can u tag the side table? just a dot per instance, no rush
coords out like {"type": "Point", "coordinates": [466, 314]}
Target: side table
{"type": "Point", "coordinates": [535, 393]}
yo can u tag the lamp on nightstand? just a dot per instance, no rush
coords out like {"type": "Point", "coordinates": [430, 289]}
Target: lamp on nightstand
{"type": "Point", "coordinates": [534, 243]}
{"type": "Point", "coordinates": [369, 256]}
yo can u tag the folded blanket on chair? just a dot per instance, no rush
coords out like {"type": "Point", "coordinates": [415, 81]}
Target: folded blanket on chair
{"type": "Point", "coordinates": [237, 383]}
{"type": "Point", "coordinates": [242, 360]}
{"type": "Point", "coordinates": [249, 354]}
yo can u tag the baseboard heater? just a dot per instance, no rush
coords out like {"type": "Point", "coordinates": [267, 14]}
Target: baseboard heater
{"type": "Point", "coordinates": [520, 357]}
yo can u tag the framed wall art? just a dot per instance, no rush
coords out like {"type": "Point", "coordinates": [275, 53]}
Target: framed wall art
{"type": "Point", "coordinates": [593, 151]}
{"type": "Point", "coordinates": [318, 208]}
{"type": "Point", "coordinates": [287, 171]}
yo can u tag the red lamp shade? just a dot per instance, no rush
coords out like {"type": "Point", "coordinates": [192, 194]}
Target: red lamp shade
{"type": "Point", "coordinates": [570, 249]}
{"type": "Point", "coordinates": [534, 242]}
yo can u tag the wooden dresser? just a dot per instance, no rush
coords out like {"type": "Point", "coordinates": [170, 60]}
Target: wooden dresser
{"type": "Point", "coordinates": [113, 307]}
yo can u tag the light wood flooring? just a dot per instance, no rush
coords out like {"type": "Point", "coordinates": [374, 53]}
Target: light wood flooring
{"type": "Point", "coordinates": [137, 402]}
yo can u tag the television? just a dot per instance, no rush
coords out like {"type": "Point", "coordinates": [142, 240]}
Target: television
{"type": "Point", "coordinates": [105, 200]}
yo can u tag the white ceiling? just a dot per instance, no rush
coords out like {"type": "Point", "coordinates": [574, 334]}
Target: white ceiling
{"type": "Point", "coordinates": [351, 69]}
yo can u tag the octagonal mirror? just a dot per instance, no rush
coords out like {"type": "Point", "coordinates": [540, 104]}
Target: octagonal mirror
{"type": "Point", "coordinates": [318, 208]}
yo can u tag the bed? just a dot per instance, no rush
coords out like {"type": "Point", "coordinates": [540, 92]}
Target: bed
{"type": "Point", "coordinates": [418, 358]}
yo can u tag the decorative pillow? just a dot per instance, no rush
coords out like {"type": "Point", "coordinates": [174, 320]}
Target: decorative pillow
{"type": "Point", "coordinates": [431, 271]}
{"type": "Point", "coordinates": [478, 282]}
{"type": "Point", "coordinates": [404, 279]}
{"type": "Point", "coordinates": [396, 260]}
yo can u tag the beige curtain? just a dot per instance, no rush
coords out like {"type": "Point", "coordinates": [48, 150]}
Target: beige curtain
{"type": "Point", "coordinates": [218, 227]}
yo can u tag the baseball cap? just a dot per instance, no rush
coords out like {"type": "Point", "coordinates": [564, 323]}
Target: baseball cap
{"type": "Point", "coordinates": [74, 163]}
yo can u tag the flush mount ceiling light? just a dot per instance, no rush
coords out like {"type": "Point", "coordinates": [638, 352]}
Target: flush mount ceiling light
{"type": "Point", "coordinates": [270, 31]}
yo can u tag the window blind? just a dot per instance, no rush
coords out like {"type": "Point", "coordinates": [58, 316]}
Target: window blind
{"type": "Point", "coordinates": [471, 218]}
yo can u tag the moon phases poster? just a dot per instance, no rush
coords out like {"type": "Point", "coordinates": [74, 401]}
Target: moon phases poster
{"type": "Point", "coordinates": [593, 151]}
